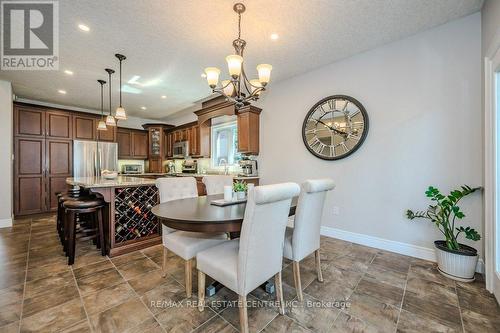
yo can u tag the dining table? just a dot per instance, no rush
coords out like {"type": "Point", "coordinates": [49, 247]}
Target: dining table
{"type": "Point", "coordinates": [198, 214]}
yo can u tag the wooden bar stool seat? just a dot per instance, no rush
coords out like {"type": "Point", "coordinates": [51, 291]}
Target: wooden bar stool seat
{"type": "Point", "coordinates": [83, 205]}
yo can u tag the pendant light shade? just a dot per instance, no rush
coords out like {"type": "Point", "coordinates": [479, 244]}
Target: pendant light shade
{"type": "Point", "coordinates": [120, 113]}
{"type": "Point", "coordinates": [110, 120]}
{"type": "Point", "coordinates": [102, 125]}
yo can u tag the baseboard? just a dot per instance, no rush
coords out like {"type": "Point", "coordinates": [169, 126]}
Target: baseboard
{"type": "Point", "coordinates": [388, 245]}
{"type": "Point", "coordinates": [5, 223]}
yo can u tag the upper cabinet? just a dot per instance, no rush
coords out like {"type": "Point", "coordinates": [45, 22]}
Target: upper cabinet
{"type": "Point", "coordinates": [248, 130]}
{"type": "Point", "coordinates": [59, 125]}
{"type": "Point", "coordinates": [108, 135]}
{"type": "Point", "coordinates": [157, 149]}
{"type": "Point", "coordinates": [84, 127]}
{"type": "Point", "coordinates": [29, 121]}
{"type": "Point", "coordinates": [132, 144]}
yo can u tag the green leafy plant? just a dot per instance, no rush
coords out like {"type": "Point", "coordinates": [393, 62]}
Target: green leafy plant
{"type": "Point", "coordinates": [240, 186]}
{"type": "Point", "coordinates": [444, 213]}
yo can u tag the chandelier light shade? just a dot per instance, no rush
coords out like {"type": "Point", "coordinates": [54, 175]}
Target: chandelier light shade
{"type": "Point", "coordinates": [239, 89]}
{"type": "Point", "coordinates": [110, 120]}
{"type": "Point", "coordinates": [102, 125]}
{"type": "Point", "coordinates": [120, 113]}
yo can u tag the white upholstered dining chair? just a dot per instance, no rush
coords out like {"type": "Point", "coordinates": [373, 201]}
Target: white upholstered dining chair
{"type": "Point", "coordinates": [304, 238]}
{"type": "Point", "coordinates": [244, 264]}
{"type": "Point", "coordinates": [215, 183]}
{"type": "Point", "coordinates": [183, 243]}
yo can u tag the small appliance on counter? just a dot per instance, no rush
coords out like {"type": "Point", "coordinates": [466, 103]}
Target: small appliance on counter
{"type": "Point", "coordinates": [181, 149]}
{"type": "Point", "coordinates": [170, 167]}
{"type": "Point", "coordinates": [132, 169]}
{"type": "Point", "coordinates": [189, 166]}
{"type": "Point", "coordinates": [248, 167]}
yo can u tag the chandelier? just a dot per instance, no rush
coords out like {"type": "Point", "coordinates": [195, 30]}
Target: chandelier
{"type": "Point", "coordinates": [239, 89]}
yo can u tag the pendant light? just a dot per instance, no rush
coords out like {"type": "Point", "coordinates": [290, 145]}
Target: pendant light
{"type": "Point", "coordinates": [102, 125]}
{"type": "Point", "coordinates": [110, 120]}
{"type": "Point", "coordinates": [120, 113]}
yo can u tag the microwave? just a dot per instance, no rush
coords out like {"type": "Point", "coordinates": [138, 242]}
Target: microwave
{"type": "Point", "coordinates": [132, 168]}
{"type": "Point", "coordinates": [181, 149]}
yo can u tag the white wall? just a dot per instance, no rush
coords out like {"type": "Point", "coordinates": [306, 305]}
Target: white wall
{"type": "Point", "coordinates": [423, 98]}
{"type": "Point", "coordinates": [6, 125]}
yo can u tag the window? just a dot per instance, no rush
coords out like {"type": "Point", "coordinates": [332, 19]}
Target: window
{"type": "Point", "coordinates": [225, 144]}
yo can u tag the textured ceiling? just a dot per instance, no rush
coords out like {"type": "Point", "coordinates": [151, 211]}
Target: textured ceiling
{"type": "Point", "coordinates": [173, 41]}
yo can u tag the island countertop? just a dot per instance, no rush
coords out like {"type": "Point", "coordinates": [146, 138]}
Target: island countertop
{"type": "Point", "coordinates": [101, 182]}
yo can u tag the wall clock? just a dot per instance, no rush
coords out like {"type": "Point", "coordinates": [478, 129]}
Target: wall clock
{"type": "Point", "coordinates": [335, 127]}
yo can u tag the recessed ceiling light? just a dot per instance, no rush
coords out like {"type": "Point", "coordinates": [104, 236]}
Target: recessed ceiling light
{"type": "Point", "coordinates": [68, 72]}
{"type": "Point", "coordinates": [83, 27]}
{"type": "Point", "coordinates": [203, 75]}
{"type": "Point", "coordinates": [274, 36]}
{"type": "Point", "coordinates": [62, 91]}
{"type": "Point", "coordinates": [163, 97]}
{"type": "Point", "coordinates": [143, 108]}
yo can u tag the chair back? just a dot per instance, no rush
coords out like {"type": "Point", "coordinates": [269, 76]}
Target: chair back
{"type": "Point", "coordinates": [215, 183]}
{"type": "Point", "coordinates": [174, 188]}
{"type": "Point", "coordinates": [262, 234]}
{"type": "Point", "coordinates": [307, 225]}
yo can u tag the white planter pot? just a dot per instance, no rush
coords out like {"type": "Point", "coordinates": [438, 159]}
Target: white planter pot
{"type": "Point", "coordinates": [457, 265]}
{"type": "Point", "coordinates": [240, 195]}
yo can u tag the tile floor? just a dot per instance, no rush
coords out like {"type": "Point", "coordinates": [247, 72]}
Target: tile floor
{"type": "Point", "coordinates": [365, 290]}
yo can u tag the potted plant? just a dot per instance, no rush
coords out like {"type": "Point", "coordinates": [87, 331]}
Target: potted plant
{"type": "Point", "coordinates": [455, 260]}
{"type": "Point", "coordinates": [240, 188]}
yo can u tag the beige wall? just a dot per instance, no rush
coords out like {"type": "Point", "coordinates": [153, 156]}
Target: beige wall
{"type": "Point", "coordinates": [423, 98]}
{"type": "Point", "coordinates": [6, 126]}
{"type": "Point", "coordinates": [490, 25]}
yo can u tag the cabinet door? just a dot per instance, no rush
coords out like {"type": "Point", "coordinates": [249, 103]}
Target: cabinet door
{"type": "Point", "coordinates": [108, 135]}
{"type": "Point", "coordinates": [155, 165]}
{"type": "Point", "coordinates": [58, 124]}
{"type": "Point", "coordinates": [84, 127]}
{"type": "Point", "coordinates": [184, 135]}
{"type": "Point", "coordinates": [59, 160]}
{"type": "Point", "coordinates": [195, 140]}
{"type": "Point", "coordinates": [29, 176]}
{"type": "Point", "coordinates": [29, 121]}
{"type": "Point", "coordinates": [124, 139]}
{"type": "Point", "coordinates": [140, 144]}
{"type": "Point", "coordinates": [248, 133]}
{"type": "Point", "coordinates": [168, 144]}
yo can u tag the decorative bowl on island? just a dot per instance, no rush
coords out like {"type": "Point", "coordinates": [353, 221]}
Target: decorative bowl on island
{"type": "Point", "coordinates": [109, 174]}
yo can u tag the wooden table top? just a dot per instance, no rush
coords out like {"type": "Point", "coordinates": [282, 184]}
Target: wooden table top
{"type": "Point", "coordinates": [197, 214]}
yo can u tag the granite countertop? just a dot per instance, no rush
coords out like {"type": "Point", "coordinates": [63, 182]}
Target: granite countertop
{"type": "Point", "coordinates": [144, 174]}
{"type": "Point", "coordinates": [208, 174]}
{"type": "Point", "coordinates": [101, 182]}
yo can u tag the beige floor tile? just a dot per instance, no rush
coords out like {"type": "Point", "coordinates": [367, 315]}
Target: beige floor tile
{"type": "Point", "coordinates": [107, 298]}
{"type": "Point", "coordinates": [432, 291]}
{"type": "Point", "coordinates": [47, 300]}
{"type": "Point", "coordinates": [10, 328]}
{"type": "Point", "coordinates": [136, 267]}
{"type": "Point", "coordinates": [147, 326]}
{"type": "Point", "coordinates": [313, 314]}
{"type": "Point", "coordinates": [346, 323]}
{"type": "Point", "coordinates": [47, 284]}
{"type": "Point", "coordinates": [476, 322]}
{"type": "Point", "coordinates": [384, 292]}
{"type": "Point", "coordinates": [94, 282]}
{"type": "Point", "coordinates": [284, 324]}
{"type": "Point", "coordinates": [91, 269]}
{"type": "Point", "coordinates": [184, 318]}
{"type": "Point", "coordinates": [216, 325]}
{"type": "Point", "coordinates": [80, 327]}
{"type": "Point", "coordinates": [477, 302]}
{"type": "Point", "coordinates": [373, 312]}
{"type": "Point", "coordinates": [259, 314]}
{"type": "Point", "coordinates": [149, 280]}
{"type": "Point", "coordinates": [163, 295]}
{"type": "Point", "coordinates": [121, 317]}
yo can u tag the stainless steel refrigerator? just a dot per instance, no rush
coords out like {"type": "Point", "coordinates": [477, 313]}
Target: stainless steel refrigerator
{"type": "Point", "coordinates": [91, 157]}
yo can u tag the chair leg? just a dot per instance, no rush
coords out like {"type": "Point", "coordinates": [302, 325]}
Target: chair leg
{"type": "Point", "coordinates": [279, 292]}
{"type": "Point", "coordinates": [243, 314]}
{"type": "Point", "coordinates": [201, 291]}
{"type": "Point", "coordinates": [188, 277]}
{"type": "Point", "coordinates": [318, 265]}
{"type": "Point", "coordinates": [164, 263]}
{"type": "Point", "coordinates": [101, 232]}
{"type": "Point", "coordinates": [296, 279]}
{"type": "Point", "coordinates": [70, 242]}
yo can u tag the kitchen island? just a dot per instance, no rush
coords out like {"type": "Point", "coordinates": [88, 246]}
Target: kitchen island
{"type": "Point", "coordinates": [128, 222]}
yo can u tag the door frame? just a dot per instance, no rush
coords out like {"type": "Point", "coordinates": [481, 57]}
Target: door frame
{"type": "Point", "coordinates": [491, 168]}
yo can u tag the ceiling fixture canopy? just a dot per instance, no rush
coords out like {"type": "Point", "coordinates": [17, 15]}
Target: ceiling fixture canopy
{"type": "Point", "coordinates": [239, 88]}
{"type": "Point", "coordinates": [120, 113]}
{"type": "Point", "coordinates": [110, 120]}
{"type": "Point", "coordinates": [102, 124]}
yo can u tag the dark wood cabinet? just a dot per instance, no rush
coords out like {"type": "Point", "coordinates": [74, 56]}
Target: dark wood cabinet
{"type": "Point", "coordinates": [132, 144]}
{"type": "Point", "coordinates": [84, 127]}
{"type": "Point", "coordinates": [169, 142]}
{"type": "Point", "coordinates": [29, 176]}
{"type": "Point", "coordinates": [59, 124]}
{"type": "Point", "coordinates": [108, 135]}
{"type": "Point", "coordinates": [29, 121]}
{"type": "Point", "coordinates": [59, 164]}
{"type": "Point", "coordinates": [248, 130]}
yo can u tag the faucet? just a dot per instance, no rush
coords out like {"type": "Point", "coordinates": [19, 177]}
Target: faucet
{"type": "Point", "coordinates": [226, 167]}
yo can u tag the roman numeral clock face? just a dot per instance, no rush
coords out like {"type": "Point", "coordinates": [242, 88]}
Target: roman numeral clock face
{"type": "Point", "coordinates": [335, 127]}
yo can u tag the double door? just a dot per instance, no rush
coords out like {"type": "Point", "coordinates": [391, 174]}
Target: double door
{"type": "Point", "coordinates": [43, 158]}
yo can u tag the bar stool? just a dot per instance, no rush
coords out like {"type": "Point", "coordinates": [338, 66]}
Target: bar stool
{"type": "Point", "coordinates": [72, 208]}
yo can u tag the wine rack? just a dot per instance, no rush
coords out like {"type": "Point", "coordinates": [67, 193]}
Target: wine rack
{"type": "Point", "coordinates": [133, 217]}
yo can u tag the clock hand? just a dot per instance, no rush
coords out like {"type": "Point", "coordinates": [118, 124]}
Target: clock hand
{"type": "Point", "coordinates": [331, 128]}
